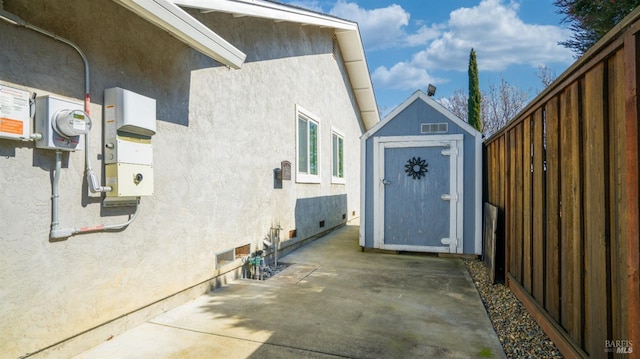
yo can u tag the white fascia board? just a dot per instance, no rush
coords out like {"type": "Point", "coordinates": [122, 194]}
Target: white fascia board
{"type": "Point", "coordinates": [183, 26]}
{"type": "Point", "coordinates": [267, 10]}
{"type": "Point", "coordinates": [352, 49]}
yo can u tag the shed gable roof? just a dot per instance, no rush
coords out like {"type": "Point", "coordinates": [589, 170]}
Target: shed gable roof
{"type": "Point", "coordinates": [347, 33]}
{"type": "Point", "coordinates": [419, 95]}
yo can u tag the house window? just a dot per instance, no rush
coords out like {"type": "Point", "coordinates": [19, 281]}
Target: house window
{"type": "Point", "coordinates": [308, 142]}
{"type": "Point", "coordinates": [337, 161]}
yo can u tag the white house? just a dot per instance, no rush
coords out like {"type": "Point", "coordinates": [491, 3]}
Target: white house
{"type": "Point", "coordinates": [196, 108]}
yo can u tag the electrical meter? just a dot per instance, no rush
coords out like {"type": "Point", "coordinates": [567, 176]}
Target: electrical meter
{"type": "Point", "coordinates": [71, 123]}
{"type": "Point", "coordinates": [61, 123]}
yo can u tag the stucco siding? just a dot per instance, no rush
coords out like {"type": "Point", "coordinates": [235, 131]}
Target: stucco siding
{"type": "Point", "coordinates": [220, 135]}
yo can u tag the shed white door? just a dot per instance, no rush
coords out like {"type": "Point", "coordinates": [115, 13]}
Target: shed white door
{"type": "Point", "coordinates": [418, 202]}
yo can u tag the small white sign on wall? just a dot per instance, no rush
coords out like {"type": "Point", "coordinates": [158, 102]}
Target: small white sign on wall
{"type": "Point", "coordinates": [15, 122]}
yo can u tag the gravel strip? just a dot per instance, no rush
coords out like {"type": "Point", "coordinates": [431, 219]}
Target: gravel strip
{"type": "Point", "coordinates": [519, 334]}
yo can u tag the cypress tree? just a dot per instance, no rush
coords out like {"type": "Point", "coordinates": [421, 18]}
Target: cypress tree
{"type": "Point", "coordinates": [474, 93]}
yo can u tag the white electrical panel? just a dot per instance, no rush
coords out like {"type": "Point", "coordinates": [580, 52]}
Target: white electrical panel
{"type": "Point", "coordinates": [129, 123]}
{"type": "Point", "coordinates": [132, 112]}
{"type": "Point", "coordinates": [129, 120]}
{"type": "Point", "coordinates": [15, 117]}
{"type": "Point", "coordinates": [129, 180]}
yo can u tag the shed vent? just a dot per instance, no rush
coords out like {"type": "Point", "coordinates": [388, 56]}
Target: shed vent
{"type": "Point", "coordinates": [434, 127]}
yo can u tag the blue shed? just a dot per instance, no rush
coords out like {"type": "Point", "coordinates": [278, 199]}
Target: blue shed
{"type": "Point", "coordinates": [422, 181]}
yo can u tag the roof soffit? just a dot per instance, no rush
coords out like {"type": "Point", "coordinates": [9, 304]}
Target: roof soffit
{"type": "Point", "coordinates": [169, 17]}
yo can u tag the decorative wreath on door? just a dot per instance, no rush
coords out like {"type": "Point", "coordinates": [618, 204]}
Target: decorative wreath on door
{"type": "Point", "coordinates": [416, 168]}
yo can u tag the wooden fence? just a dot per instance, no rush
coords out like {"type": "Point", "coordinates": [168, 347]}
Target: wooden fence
{"type": "Point", "coordinates": [564, 175]}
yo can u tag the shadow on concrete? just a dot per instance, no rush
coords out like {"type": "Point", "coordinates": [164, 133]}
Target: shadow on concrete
{"type": "Point", "coordinates": [336, 301]}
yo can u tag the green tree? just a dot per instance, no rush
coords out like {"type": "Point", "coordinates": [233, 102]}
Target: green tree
{"type": "Point", "coordinates": [590, 19]}
{"type": "Point", "coordinates": [475, 98]}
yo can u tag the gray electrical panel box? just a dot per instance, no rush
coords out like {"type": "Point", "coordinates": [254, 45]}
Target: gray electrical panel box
{"type": "Point", "coordinates": [129, 123]}
{"type": "Point", "coordinates": [48, 109]}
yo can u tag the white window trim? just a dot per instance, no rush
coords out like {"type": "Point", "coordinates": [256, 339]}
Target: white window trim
{"type": "Point", "coordinates": [338, 180]}
{"type": "Point", "coordinates": [304, 177]}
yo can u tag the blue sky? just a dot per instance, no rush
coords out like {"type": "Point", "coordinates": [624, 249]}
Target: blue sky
{"type": "Point", "coordinates": [411, 43]}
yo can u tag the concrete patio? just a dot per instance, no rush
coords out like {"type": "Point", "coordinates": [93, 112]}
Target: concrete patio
{"type": "Point", "coordinates": [333, 301]}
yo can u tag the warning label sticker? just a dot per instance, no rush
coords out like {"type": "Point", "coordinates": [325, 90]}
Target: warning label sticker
{"type": "Point", "coordinates": [14, 112]}
{"type": "Point", "coordinates": [8, 125]}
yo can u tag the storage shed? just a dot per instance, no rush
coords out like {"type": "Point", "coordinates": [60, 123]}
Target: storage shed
{"type": "Point", "coordinates": [421, 181]}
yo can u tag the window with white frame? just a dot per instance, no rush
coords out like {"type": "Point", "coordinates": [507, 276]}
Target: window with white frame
{"type": "Point", "coordinates": [337, 159]}
{"type": "Point", "coordinates": [308, 147]}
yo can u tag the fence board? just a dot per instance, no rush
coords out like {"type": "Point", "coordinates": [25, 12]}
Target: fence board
{"type": "Point", "coordinates": [552, 270]}
{"type": "Point", "coordinates": [538, 208]}
{"type": "Point", "coordinates": [617, 214]}
{"type": "Point", "coordinates": [595, 212]}
{"type": "Point", "coordinates": [571, 215]}
{"type": "Point", "coordinates": [495, 164]}
{"type": "Point", "coordinates": [510, 205]}
{"type": "Point", "coordinates": [632, 187]}
{"type": "Point", "coordinates": [520, 261]}
{"type": "Point", "coordinates": [526, 203]}
{"type": "Point", "coordinates": [502, 176]}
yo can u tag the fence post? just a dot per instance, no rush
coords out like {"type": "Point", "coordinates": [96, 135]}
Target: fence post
{"type": "Point", "coordinates": [633, 251]}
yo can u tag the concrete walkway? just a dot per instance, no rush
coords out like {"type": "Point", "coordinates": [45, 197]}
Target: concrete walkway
{"type": "Point", "coordinates": [334, 301]}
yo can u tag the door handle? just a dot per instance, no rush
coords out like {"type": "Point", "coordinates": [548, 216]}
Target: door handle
{"type": "Point", "coordinates": [385, 182]}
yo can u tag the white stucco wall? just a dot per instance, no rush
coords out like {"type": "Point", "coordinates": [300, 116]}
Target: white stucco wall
{"type": "Point", "coordinates": [220, 134]}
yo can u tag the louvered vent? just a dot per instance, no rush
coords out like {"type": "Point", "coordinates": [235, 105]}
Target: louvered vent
{"type": "Point", "coordinates": [434, 127]}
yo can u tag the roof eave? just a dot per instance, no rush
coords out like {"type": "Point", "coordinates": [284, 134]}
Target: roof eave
{"type": "Point", "coordinates": [184, 27]}
{"type": "Point", "coordinates": [347, 34]}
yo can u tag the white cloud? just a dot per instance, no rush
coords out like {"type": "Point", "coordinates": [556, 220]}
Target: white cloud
{"type": "Point", "coordinates": [423, 35]}
{"type": "Point", "coordinates": [403, 76]}
{"type": "Point", "coordinates": [380, 28]}
{"type": "Point", "coordinates": [493, 28]}
{"type": "Point", "coordinates": [499, 37]}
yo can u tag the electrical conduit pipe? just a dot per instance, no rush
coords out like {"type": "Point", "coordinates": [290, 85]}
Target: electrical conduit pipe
{"type": "Point", "coordinates": [92, 180]}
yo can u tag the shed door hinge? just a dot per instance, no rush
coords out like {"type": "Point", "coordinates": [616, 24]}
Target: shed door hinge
{"type": "Point", "coordinates": [449, 151]}
{"type": "Point", "coordinates": [449, 241]}
{"type": "Point", "coordinates": [449, 197]}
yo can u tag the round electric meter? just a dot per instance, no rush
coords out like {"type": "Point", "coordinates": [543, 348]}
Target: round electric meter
{"type": "Point", "coordinates": [70, 123]}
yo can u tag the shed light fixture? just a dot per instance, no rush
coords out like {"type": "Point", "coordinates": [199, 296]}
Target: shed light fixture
{"type": "Point", "coordinates": [431, 90]}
